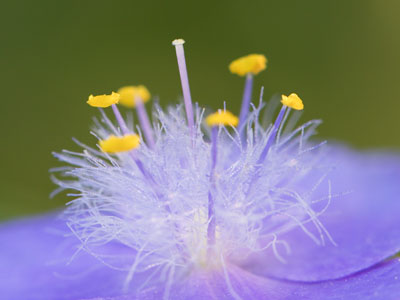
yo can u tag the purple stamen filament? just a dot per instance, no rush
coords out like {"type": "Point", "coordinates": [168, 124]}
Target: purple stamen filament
{"type": "Point", "coordinates": [180, 55]}
{"type": "Point", "coordinates": [144, 121]}
{"type": "Point", "coordinates": [125, 130]}
{"type": "Point", "coordinates": [211, 194]}
{"type": "Point", "coordinates": [244, 110]}
{"type": "Point", "coordinates": [272, 135]}
{"type": "Point", "coordinates": [120, 120]}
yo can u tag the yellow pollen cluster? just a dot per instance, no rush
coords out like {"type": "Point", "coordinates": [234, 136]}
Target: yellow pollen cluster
{"type": "Point", "coordinates": [252, 63]}
{"type": "Point", "coordinates": [292, 101]}
{"type": "Point", "coordinates": [222, 118]}
{"type": "Point", "coordinates": [103, 100]}
{"type": "Point", "coordinates": [115, 144]}
{"type": "Point", "coordinates": [129, 94]}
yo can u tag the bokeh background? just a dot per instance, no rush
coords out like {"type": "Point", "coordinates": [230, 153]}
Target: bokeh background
{"type": "Point", "coordinates": [342, 57]}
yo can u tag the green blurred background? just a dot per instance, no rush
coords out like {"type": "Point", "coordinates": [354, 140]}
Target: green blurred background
{"type": "Point", "coordinates": [341, 56]}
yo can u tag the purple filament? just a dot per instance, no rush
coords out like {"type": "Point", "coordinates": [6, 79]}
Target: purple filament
{"type": "Point", "coordinates": [244, 110]}
{"type": "Point", "coordinates": [120, 120]}
{"type": "Point", "coordinates": [144, 121]}
{"type": "Point", "coordinates": [211, 194]}
{"type": "Point", "coordinates": [272, 135]}
{"type": "Point", "coordinates": [125, 130]}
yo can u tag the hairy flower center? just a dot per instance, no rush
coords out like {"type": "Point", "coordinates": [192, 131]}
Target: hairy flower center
{"type": "Point", "coordinates": [196, 241]}
{"type": "Point", "coordinates": [183, 197]}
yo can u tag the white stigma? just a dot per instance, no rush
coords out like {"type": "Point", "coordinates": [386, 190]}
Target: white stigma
{"type": "Point", "coordinates": [178, 42]}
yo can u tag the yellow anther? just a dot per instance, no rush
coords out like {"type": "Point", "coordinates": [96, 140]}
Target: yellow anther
{"type": "Point", "coordinates": [115, 144]}
{"type": "Point", "coordinates": [292, 101]}
{"type": "Point", "coordinates": [129, 94]}
{"type": "Point", "coordinates": [252, 63]}
{"type": "Point", "coordinates": [222, 118]}
{"type": "Point", "coordinates": [103, 100]}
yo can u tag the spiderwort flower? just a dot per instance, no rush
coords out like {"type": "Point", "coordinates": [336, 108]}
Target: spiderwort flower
{"type": "Point", "coordinates": [200, 209]}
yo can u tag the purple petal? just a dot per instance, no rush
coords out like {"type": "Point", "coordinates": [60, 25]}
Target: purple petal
{"type": "Point", "coordinates": [207, 284]}
{"type": "Point", "coordinates": [381, 282]}
{"type": "Point", "coordinates": [34, 258]}
{"type": "Point", "coordinates": [31, 268]}
{"type": "Point", "coordinates": [364, 224]}
{"type": "Point", "coordinates": [34, 265]}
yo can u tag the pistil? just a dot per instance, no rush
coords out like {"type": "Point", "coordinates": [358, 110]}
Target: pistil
{"type": "Point", "coordinates": [180, 55]}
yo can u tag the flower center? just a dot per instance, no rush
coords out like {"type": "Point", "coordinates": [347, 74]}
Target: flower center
{"type": "Point", "coordinates": [201, 253]}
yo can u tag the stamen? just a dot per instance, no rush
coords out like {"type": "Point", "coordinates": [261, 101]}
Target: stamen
{"type": "Point", "coordinates": [252, 63]}
{"type": "Point", "coordinates": [211, 193]}
{"type": "Point", "coordinates": [128, 94]}
{"type": "Point", "coordinates": [180, 55]}
{"type": "Point", "coordinates": [222, 117]}
{"type": "Point", "coordinates": [244, 110]}
{"type": "Point", "coordinates": [291, 101]}
{"type": "Point", "coordinates": [103, 100]}
{"type": "Point", "coordinates": [248, 66]}
{"type": "Point", "coordinates": [136, 96]}
{"type": "Point", "coordinates": [116, 144]}
{"type": "Point", "coordinates": [272, 135]}
{"type": "Point", "coordinates": [144, 121]}
{"type": "Point", "coordinates": [120, 119]}
{"type": "Point", "coordinates": [106, 101]}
